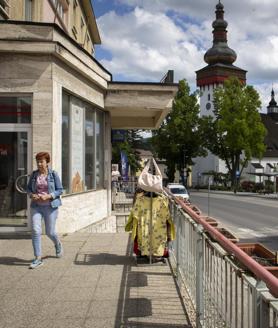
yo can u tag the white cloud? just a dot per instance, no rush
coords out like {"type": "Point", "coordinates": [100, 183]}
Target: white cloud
{"type": "Point", "coordinates": [156, 35]}
{"type": "Point", "coordinates": [145, 45]}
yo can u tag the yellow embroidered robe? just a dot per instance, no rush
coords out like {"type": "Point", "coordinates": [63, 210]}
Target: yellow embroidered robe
{"type": "Point", "coordinates": [139, 223]}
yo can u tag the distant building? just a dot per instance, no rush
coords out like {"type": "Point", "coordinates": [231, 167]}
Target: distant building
{"type": "Point", "coordinates": [220, 59]}
{"type": "Point", "coordinates": [267, 167]}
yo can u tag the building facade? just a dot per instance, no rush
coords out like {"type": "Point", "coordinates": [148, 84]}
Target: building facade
{"type": "Point", "coordinates": [56, 97]}
{"type": "Point", "coordinates": [75, 17]}
{"type": "Point", "coordinates": [266, 168]}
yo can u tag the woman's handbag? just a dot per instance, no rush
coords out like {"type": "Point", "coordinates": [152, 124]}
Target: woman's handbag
{"type": "Point", "coordinates": [148, 181]}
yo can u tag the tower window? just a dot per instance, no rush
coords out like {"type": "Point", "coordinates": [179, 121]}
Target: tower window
{"type": "Point", "coordinates": [209, 97]}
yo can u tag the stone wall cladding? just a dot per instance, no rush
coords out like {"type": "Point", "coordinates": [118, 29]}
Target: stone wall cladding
{"type": "Point", "coordinates": [107, 225]}
{"type": "Point", "coordinates": [81, 210]}
{"type": "Point", "coordinates": [22, 73]}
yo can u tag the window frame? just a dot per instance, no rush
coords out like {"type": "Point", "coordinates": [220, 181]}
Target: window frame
{"type": "Point", "coordinates": [28, 10]}
{"type": "Point", "coordinates": [92, 107]}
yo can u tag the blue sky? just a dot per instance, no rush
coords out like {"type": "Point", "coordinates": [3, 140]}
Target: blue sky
{"type": "Point", "coordinates": [142, 39]}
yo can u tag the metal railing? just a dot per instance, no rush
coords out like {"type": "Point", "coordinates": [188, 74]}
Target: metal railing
{"type": "Point", "coordinates": [226, 287]}
{"type": "Point", "coordinates": [123, 193]}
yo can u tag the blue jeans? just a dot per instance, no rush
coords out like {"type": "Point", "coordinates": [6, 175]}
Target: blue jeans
{"type": "Point", "coordinates": [50, 215]}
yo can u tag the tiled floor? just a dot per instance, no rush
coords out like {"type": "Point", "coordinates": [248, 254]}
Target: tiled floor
{"type": "Point", "coordinates": [96, 284]}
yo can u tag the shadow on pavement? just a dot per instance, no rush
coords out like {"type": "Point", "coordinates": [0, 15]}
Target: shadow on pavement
{"type": "Point", "coordinates": [102, 259]}
{"type": "Point", "coordinates": [142, 299]}
{"type": "Point", "coordinates": [14, 261]}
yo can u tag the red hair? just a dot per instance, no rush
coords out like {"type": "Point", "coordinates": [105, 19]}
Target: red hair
{"type": "Point", "coordinates": [43, 155]}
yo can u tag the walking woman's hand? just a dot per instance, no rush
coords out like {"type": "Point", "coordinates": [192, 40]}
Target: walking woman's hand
{"type": "Point", "coordinates": [45, 197]}
{"type": "Point", "coordinates": [35, 197]}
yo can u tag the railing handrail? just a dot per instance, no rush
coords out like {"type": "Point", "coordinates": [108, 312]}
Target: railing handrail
{"type": "Point", "coordinates": [260, 272]}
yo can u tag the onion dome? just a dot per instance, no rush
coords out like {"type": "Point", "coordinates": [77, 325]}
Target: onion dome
{"type": "Point", "coordinates": [272, 108]}
{"type": "Point", "coordinates": [272, 102]}
{"type": "Point", "coordinates": [220, 52]}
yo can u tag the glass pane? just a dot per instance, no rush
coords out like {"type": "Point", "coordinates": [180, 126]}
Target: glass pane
{"type": "Point", "coordinates": [99, 149]}
{"type": "Point", "coordinates": [28, 10]}
{"type": "Point", "coordinates": [13, 163]}
{"type": "Point", "coordinates": [15, 109]}
{"type": "Point", "coordinates": [65, 141]}
{"type": "Point", "coordinates": [89, 149]}
{"type": "Point", "coordinates": [77, 145]}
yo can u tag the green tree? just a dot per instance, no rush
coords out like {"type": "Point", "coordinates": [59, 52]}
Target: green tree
{"type": "Point", "coordinates": [236, 133]}
{"type": "Point", "coordinates": [132, 142]}
{"type": "Point", "coordinates": [178, 139]}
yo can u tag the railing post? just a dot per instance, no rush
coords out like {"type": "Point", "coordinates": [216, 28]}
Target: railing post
{"type": "Point", "coordinates": [200, 277]}
{"type": "Point", "coordinates": [264, 322]}
{"type": "Point", "coordinates": [260, 313]}
{"type": "Point", "coordinates": [178, 219]}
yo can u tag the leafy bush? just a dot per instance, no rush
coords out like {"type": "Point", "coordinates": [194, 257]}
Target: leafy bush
{"type": "Point", "coordinates": [218, 187]}
{"type": "Point", "coordinates": [248, 186]}
{"type": "Point", "coordinates": [269, 186]}
{"type": "Point", "coordinates": [259, 187]}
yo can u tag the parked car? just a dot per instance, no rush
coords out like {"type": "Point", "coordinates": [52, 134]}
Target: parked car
{"type": "Point", "coordinates": [178, 190]}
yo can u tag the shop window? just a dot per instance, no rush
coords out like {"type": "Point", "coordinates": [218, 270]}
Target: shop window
{"type": "Point", "coordinates": [99, 149]}
{"type": "Point", "coordinates": [77, 145]}
{"type": "Point", "coordinates": [15, 109]}
{"type": "Point", "coordinates": [82, 145]}
{"type": "Point", "coordinates": [65, 141]}
{"type": "Point", "coordinates": [28, 10]}
{"type": "Point", "coordinates": [89, 149]}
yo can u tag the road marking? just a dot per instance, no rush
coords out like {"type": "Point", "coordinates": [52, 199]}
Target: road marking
{"type": "Point", "coordinates": [249, 232]}
{"type": "Point", "coordinates": [241, 198]}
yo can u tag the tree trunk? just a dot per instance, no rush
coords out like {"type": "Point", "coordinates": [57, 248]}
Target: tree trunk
{"type": "Point", "coordinates": [171, 172]}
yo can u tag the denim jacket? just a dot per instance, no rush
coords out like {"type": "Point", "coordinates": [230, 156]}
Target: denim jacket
{"type": "Point", "coordinates": [55, 188]}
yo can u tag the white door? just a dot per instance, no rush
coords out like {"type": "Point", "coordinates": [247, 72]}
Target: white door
{"type": "Point", "coordinates": [15, 165]}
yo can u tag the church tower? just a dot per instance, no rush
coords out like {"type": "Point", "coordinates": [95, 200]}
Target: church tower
{"type": "Point", "coordinates": [219, 59]}
{"type": "Point", "coordinates": [272, 108]}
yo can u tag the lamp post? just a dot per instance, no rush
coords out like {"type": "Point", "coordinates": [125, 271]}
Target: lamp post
{"type": "Point", "coordinates": [183, 169]}
{"type": "Point", "coordinates": [182, 150]}
{"type": "Point", "coordinates": [209, 183]}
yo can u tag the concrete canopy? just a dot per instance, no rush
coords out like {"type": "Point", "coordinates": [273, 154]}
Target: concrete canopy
{"type": "Point", "coordinates": [139, 105]}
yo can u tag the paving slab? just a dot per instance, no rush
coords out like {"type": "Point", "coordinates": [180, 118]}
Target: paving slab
{"type": "Point", "coordinates": [96, 284]}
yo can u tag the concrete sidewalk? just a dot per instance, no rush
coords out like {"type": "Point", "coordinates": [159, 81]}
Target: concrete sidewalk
{"type": "Point", "coordinates": [96, 284]}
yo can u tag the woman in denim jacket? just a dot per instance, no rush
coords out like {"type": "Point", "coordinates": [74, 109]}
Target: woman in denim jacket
{"type": "Point", "coordinates": [44, 188]}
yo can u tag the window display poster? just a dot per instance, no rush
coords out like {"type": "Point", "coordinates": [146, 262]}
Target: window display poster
{"type": "Point", "coordinates": [77, 146]}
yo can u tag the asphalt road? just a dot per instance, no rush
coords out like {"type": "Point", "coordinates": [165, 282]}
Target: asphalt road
{"type": "Point", "coordinates": [251, 218]}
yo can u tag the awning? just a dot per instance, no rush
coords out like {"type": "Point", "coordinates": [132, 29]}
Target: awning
{"type": "Point", "coordinates": [261, 174]}
{"type": "Point", "coordinates": [257, 165]}
{"type": "Point", "coordinates": [135, 105]}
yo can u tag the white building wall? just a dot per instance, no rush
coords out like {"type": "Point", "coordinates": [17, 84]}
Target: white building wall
{"type": "Point", "coordinates": [211, 162]}
{"type": "Point", "coordinates": [266, 169]}
{"type": "Point", "coordinates": [206, 97]}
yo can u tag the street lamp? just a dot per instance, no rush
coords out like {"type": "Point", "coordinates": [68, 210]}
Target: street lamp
{"type": "Point", "coordinates": [182, 150]}
{"type": "Point", "coordinates": [183, 167]}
